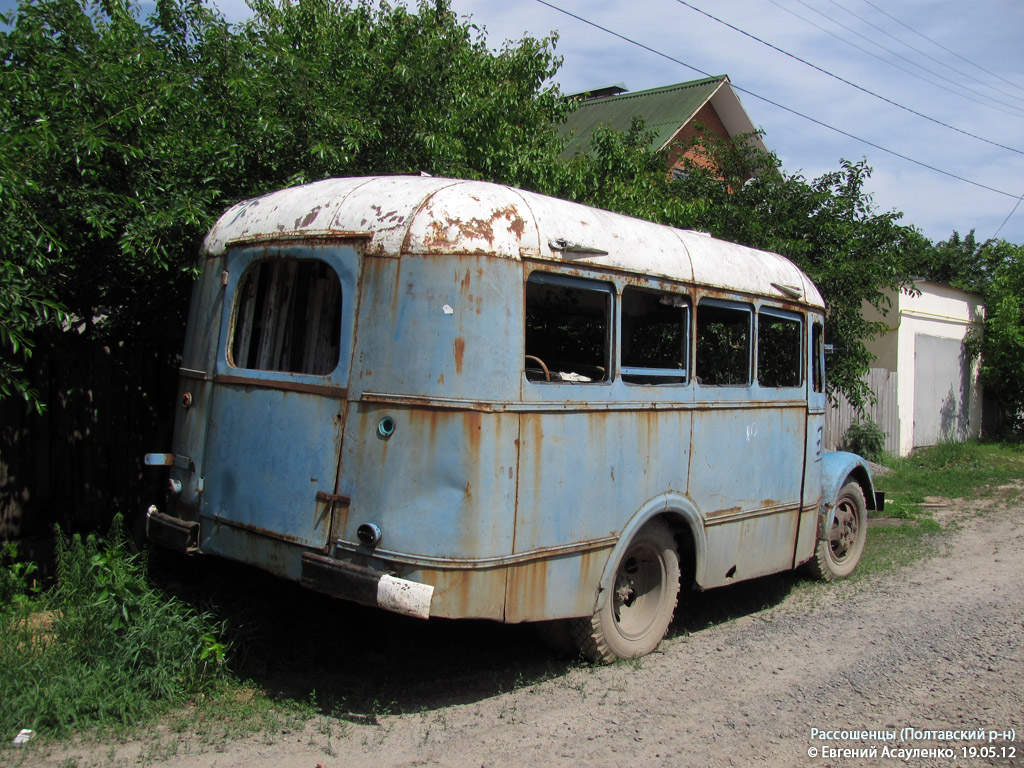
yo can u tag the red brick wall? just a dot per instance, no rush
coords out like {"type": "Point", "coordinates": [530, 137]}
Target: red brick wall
{"type": "Point", "coordinates": [709, 122]}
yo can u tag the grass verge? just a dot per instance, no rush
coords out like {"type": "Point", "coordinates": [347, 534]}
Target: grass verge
{"type": "Point", "coordinates": [913, 485]}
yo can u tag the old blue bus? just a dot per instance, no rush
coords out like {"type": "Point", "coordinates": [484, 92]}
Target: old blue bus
{"type": "Point", "coordinates": [453, 398]}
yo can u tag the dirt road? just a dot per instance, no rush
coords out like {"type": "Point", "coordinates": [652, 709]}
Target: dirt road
{"type": "Point", "coordinates": [935, 647]}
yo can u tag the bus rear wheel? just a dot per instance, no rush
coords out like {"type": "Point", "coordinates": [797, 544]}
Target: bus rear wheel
{"type": "Point", "coordinates": [838, 552]}
{"type": "Point", "coordinates": [637, 613]}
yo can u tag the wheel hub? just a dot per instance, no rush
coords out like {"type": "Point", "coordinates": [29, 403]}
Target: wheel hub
{"type": "Point", "coordinates": [844, 531]}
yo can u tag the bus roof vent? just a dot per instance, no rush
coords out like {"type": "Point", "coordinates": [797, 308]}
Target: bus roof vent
{"type": "Point", "coordinates": [561, 244]}
{"type": "Point", "coordinates": [793, 291]}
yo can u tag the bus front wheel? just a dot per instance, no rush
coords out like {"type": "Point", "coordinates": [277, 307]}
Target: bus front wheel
{"type": "Point", "coordinates": [637, 613]}
{"type": "Point", "coordinates": [838, 552]}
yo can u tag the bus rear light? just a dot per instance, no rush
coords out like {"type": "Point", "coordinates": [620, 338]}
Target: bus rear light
{"type": "Point", "coordinates": [368, 534]}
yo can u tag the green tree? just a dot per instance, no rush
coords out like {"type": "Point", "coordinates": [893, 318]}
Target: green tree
{"type": "Point", "coordinates": [126, 136]}
{"type": "Point", "coordinates": [962, 262]}
{"type": "Point", "coordinates": [1001, 343]}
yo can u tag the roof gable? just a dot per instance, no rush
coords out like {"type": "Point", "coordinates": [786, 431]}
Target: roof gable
{"type": "Point", "coordinates": [664, 110]}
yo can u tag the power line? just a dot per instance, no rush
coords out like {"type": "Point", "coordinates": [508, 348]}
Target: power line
{"type": "Point", "coordinates": [884, 61]}
{"type": "Point", "coordinates": [1008, 217]}
{"type": "Point", "coordinates": [947, 50]}
{"type": "Point", "coordinates": [909, 61]}
{"type": "Point", "coordinates": [951, 52]}
{"type": "Point", "coordinates": [848, 82]}
{"type": "Point", "coordinates": [776, 104]}
{"type": "Point", "coordinates": [914, 49]}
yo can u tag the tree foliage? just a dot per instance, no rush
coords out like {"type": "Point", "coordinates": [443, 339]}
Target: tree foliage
{"type": "Point", "coordinates": [126, 136]}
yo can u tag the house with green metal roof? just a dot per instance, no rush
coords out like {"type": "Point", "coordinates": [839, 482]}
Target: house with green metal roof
{"type": "Point", "coordinates": [674, 113]}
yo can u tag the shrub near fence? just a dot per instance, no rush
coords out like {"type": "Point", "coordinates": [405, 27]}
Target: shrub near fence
{"type": "Point", "coordinates": [884, 412]}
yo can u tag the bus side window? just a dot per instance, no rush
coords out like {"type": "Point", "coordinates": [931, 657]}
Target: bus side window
{"type": "Point", "coordinates": [568, 329]}
{"type": "Point", "coordinates": [655, 337]}
{"type": "Point", "coordinates": [818, 350]}
{"type": "Point", "coordinates": [723, 343]}
{"type": "Point", "coordinates": [779, 339]}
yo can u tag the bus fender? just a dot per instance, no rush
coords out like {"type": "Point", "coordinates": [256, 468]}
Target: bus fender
{"type": "Point", "coordinates": [678, 509]}
{"type": "Point", "coordinates": [836, 468]}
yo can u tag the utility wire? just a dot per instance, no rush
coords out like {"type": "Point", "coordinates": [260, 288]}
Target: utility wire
{"type": "Point", "coordinates": [947, 50]}
{"type": "Point", "coordinates": [886, 61]}
{"type": "Point", "coordinates": [849, 83]}
{"type": "Point", "coordinates": [775, 103]}
{"type": "Point", "coordinates": [914, 49]}
{"type": "Point", "coordinates": [904, 58]}
{"type": "Point", "coordinates": [1008, 216]}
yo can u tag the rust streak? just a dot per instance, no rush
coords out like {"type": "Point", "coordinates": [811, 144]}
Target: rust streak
{"type": "Point", "coordinates": [460, 350]}
{"type": "Point", "coordinates": [473, 429]}
{"type": "Point", "coordinates": [437, 236]}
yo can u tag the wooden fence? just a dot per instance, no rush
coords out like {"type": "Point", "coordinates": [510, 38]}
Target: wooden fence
{"type": "Point", "coordinates": [80, 462]}
{"type": "Point", "coordinates": [884, 412]}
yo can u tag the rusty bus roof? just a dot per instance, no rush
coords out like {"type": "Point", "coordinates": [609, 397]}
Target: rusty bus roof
{"type": "Point", "coordinates": [426, 215]}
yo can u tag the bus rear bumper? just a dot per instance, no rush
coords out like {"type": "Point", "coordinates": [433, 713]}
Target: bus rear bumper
{"type": "Point", "coordinates": [171, 532]}
{"type": "Point", "coordinates": [366, 586]}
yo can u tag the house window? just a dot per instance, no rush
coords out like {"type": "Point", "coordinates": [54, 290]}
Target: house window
{"type": "Point", "coordinates": [568, 322]}
{"type": "Point", "coordinates": [723, 343]}
{"type": "Point", "coordinates": [655, 337]}
{"type": "Point", "coordinates": [779, 337]}
{"type": "Point", "coordinates": [287, 317]}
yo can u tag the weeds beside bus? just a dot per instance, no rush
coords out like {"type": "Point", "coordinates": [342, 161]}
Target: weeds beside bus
{"type": "Point", "coordinates": [453, 398]}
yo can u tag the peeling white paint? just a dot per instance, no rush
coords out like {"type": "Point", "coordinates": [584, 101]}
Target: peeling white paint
{"type": "Point", "coordinates": [407, 597]}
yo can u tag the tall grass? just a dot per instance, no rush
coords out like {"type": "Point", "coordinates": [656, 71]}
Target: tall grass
{"type": "Point", "coordinates": [955, 470]}
{"type": "Point", "coordinates": [102, 647]}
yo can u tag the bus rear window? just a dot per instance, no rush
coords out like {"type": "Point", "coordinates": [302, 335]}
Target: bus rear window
{"type": "Point", "coordinates": [287, 317]}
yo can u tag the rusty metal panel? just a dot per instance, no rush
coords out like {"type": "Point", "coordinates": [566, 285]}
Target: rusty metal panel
{"type": "Point", "coordinates": [746, 477]}
{"type": "Point", "coordinates": [274, 436]}
{"type": "Point", "coordinates": [558, 586]}
{"type": "Point", "coordinates": [474, 217]}
{"type": "Point", "coordinates": [270, 452]}
{"type": "Point", "coordinates": [194, 388]}
{"type": "Point", "coordinates": [583, 475]}
{"type": "Point", "coordinates": [309, 210]}
{"type": "Point", "coordinates": [440, 327]}
{"type": "Point", "coordinates": [441, 485]}
{"type": "Point", "coordinates": [204, 317]}
{"type": "Point", "coordinates": [274, 555]}
{"type": "Point", "coordinates": [463, 593]}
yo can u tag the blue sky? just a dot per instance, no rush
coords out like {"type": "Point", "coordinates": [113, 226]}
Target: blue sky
{"type": "Point", "coordinates": [957, 63]}
{"type": "Point", "coordinates": [987, 34]}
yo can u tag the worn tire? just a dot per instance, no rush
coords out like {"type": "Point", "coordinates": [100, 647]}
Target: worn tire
{"type": "Point", "coordinates": [838, 552]}
{"type": "Point", "coordinates": [639, 609]}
